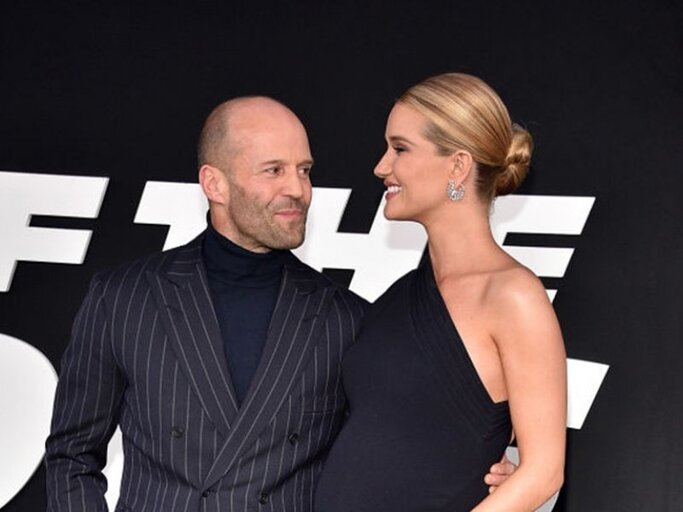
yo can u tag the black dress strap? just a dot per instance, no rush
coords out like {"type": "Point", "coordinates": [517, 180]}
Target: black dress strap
{"type": "Point", "coordinates": [443, 347]}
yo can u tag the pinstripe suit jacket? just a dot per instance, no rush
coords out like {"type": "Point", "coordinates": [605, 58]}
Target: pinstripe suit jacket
{"type": "Point", "coordinates": [146, 353]}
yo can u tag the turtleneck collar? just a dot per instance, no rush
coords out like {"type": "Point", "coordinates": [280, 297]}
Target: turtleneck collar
{"type": "Point", "coordinates": [228, 262]}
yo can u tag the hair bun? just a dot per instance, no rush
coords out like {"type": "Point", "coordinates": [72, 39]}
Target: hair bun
{"type": "Point", "coordinates": [516, 163]}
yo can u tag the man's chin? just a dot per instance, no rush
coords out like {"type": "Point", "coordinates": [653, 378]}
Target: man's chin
{"type": "Point", "coordinates": [297, 242]}
{"type": "Point", "coordinates": [288, 241]}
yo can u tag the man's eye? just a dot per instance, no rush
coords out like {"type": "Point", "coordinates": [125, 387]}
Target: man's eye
{"type": "Point", "coordinates": [305, 171]}
{"type": "Point", "coordinates": [273, 170]}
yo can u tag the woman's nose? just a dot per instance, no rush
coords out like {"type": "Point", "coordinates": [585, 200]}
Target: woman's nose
{"type": "Point", "coordinates": [382, 167]}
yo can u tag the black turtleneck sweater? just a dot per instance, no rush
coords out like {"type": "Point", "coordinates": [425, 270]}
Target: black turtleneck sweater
{"type": "Point", "coordinates": [244, 287]}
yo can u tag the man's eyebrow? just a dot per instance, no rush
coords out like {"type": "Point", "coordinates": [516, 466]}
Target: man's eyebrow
{"type": "Point", "coordinates": [308, 161]}
{"type": "Point", "coordinates": [273, 162]}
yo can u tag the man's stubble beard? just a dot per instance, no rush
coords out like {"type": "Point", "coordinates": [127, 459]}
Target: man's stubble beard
{"type": "Point", "coordinates": [256, 220]}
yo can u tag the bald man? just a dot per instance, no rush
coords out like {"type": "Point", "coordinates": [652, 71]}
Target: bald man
{"type": "Point", "coordinates": [219, 360]}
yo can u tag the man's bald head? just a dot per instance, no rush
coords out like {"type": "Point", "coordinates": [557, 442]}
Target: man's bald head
{"type": "Point", "coordinates": [223, 129]}
{"type": "Point", "coordinates": [254, 164]}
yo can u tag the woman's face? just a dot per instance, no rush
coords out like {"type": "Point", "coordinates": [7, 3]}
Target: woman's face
{"type": "Point", "coordinates": [414, 173]}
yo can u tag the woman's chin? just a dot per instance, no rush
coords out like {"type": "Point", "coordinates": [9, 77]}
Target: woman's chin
{"type": "Point", "coordinates": [394, 214]}
{"type": "Point", "coordinates": [389, 213]}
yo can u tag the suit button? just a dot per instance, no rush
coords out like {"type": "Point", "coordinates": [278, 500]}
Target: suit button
{"type": "Point", "coordinates": [263, 499]}
{"type": "Point", "coordinates": [293, 438]}
{"type": "Point", "coordinates": [207, 493]}
{"type": "Point", "coordinates": [177, 432]}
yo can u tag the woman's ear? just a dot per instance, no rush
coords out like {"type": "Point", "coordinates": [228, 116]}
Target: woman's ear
{"type": "Point", "coordinates": [462, 162]}
{"type": "Point", "coordinates": [214, 183]}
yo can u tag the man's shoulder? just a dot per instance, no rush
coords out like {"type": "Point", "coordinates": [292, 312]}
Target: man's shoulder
{"type": "Point", "coordinates": [347, 297]}
{"type": "Point", "coordinates": [167, 262]}
{"type": "Point", "coordinates": [342, 293]}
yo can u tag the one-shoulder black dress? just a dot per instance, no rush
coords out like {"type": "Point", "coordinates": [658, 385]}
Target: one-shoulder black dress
{"type": "Point", "coordinates": [422, 430]}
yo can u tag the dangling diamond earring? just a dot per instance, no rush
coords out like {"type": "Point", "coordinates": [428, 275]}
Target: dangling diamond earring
{"type": "Point", "coordinates": [455, 192]}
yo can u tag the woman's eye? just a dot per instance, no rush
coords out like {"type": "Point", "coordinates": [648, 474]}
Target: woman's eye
{"type": "Point", "coordinates": [399, 149]}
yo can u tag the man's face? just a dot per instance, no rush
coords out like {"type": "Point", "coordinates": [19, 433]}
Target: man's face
{"type": "Point", "coordinates": [269, 188]}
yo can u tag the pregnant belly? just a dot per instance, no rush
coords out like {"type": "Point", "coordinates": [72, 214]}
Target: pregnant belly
{"type": "Point", "coordinates": [374, 469]}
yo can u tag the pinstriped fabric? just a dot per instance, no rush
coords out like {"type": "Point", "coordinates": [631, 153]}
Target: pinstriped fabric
{"type": "Point", "coordinates": [146, 353]}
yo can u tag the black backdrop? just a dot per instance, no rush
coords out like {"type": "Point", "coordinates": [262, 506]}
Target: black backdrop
{"type": "Point", "coordinates": [121, 91]}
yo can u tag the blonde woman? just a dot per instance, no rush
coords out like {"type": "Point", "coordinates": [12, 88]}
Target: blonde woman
{"type": "Point", "coordinates": [466, 349]}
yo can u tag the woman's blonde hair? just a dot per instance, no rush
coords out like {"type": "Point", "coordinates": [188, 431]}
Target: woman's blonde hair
{"type": "Point", "coordinates": [463, 112]}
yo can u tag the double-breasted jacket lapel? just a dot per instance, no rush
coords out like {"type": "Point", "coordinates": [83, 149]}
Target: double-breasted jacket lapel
{"type": "Point", "coordinates": [182, 293]}
{"type": "Point", "coordinates": [293, 332]}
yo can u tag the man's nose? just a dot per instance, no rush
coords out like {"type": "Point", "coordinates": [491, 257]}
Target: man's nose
{"type": "Point", "coordinates": [295, 184]}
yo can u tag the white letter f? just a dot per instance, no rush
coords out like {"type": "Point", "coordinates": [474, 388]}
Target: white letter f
{"type": "Point", "coordinates": [23, 195]}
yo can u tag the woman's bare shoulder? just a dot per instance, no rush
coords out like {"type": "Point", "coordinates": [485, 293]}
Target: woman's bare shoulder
{"type": "Point", "coordinates": [514, 294]}
{"type": "Point", "coordinates": [512, 283]}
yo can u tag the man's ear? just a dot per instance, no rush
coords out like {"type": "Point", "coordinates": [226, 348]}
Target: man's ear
{"type": "Point", "coordinates": [462, 163]}
{"type": "Point", "coordinates": [214, 183]}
